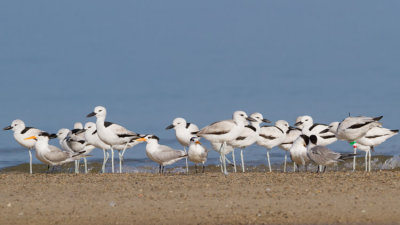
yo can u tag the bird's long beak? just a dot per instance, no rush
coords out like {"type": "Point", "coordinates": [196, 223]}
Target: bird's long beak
{"type": "Point", "coordinates": [170, 127]}
{"type": "Point", "coordinates": [91, 114]}
{"type": "Point", "coordinates": [298, 123]}
{"type": "Point", "coordinates": [141, 139]}
{"type": "Point", "coordinates": [266, 121]}
{"type": "Point", "coordinates": [31, 137]}
{"type": "Point", "coordinates": [251, 119]}
{"type": "Point", "coordinates": [7, 128]}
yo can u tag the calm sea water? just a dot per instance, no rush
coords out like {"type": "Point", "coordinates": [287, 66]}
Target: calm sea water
{"type": "Point", "coordinates": [149, 62]}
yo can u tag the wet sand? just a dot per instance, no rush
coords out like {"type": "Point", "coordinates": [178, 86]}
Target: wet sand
{"type": "Point", "coordinates": [211, 198]}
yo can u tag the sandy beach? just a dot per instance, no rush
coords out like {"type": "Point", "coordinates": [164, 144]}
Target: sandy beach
{"type": "Point", "coordinates": [211, 198]}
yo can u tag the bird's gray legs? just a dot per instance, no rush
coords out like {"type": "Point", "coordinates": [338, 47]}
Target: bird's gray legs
{"type": "Point", "coordinates": [241, 157]}
{"type": "Point", "coordinates": [77, 166]}
{"type": "Point", "coordinates": [186, 158]}
{"type": "Point", "coordinates": [121, 157]}
{"type": "Point", "coordinates": [195, 167]}
{"type": "Point", "coordinates": [203, 168]}
{"type": "Point", "coordinates": [294, 167]}
{"type": "Point", "coordinates": [221, 150]}
{"type": "Point", "coordinates": [234, 160]}
{"type": "Point", "coordinates": [112, 160]}
{"type": "Point", "coordinates": [284, 164]}
{"type": "Point", "coordinates": [220, 160]}
{"type": "Point", "coordinates": [354, 158]}
{"type": "Point", "coordinates": [369, 163]}
{"type": "Point", "coordinates": [269, 162]}
{"type": "Point", "coordinates": [105, 155]}
{"type": "Point", "coordinates": [85, 161]}
{"type": "Point", "coordinates": [30, 161]}
{"type": "Point", "coordinates": [366, 161]}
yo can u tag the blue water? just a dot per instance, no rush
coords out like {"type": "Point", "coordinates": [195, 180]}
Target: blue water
{"type": "Point", "coordinates": [151, 61]}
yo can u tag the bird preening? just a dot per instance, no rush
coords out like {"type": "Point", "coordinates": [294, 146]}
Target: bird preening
{"type": "Point", "coordinates": [305, 142]}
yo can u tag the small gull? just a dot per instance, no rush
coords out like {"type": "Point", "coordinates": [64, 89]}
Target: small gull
{"type": "Point", "coordinates": [298, 152]}
{"type": "Point", "coordinates": [197, 153]}
{"type": "Point", "coordinates": [161, 154]}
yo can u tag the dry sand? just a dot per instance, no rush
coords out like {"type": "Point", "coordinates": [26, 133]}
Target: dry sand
{"type": "Point", "coordinates": [211, 198]}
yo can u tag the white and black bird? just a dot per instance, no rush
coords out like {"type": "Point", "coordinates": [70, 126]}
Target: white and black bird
{"type": "Point", "coordinates": [225, 131]}
{"type": "Point", "coordinates": [353, 128]}
{"type": "Point", "coordinates": [21, 132]}
{"type": "Point", "coordinates": [197, 153]}
{"type": "Point", "coordinates": [271, 136]}
{"type": "Point", "coordinates": [93, 139]}
{"type": "Point", "coordinates": [291, 135]}
{"type": "Point", "coordinates": [374, 137]}
{"type": "Point", "coordinates": [323, 156]}
{"type": "Point", "coordinates": [321, 130]}
{"type": "Point", "coordinates": [117, 136]}
{"type": "Point", "coordinates": [298, 152]}
{"type": "Point", "coordinates": [76, 141]}
{"type": "Point", "coordinates": [161, 154]}
{"type": "Point", "coordinates": [184, 132]}
{"type": "Point", "coordinates": [50, 154]}
{"type": "Point", "coordinates": [248, 136]}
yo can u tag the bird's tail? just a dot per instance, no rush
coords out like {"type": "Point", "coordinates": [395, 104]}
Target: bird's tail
{"type": "Point", "coordinates": [395, 131]}
{"type": "Point", "coordinates": [377, 118]}
{"type": "Point", "coordinates": [347, 156]}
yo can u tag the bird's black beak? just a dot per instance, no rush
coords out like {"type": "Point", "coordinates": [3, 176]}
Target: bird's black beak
{"type": "Point", "coordinates": [91, 114]}
{"type": "Point", "coordinates": [266, 121]}
{"type": "Point", "coordinates": [7, 128]}
{"type": "Point", "coordinates": [52, 136]}
{"type": "Point", "coordinates": [251, 119]}
{"type": "Point", "coordinates": [170, 127]}
{"type": "Point", "coordinates": [298, 123]}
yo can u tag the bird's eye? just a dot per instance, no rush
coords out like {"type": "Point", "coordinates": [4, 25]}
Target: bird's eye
{"type": "Point", "coordinates": [241, 115]}
{"type": "Point", "coordinates": [306, 119]}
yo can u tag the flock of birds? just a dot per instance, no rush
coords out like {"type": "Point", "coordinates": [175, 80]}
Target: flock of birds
{"type": "Point", "coordinates": [305, 142]}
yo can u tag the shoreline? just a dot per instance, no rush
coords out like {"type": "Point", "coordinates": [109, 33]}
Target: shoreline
{"type": "Point", "coordinates": [210, 198]}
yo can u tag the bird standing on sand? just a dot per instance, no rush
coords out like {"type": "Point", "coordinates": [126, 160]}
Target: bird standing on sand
{"type": "Point", "coordinates": [323, 156]}
{"type": "Point", "coordinates": [93, 139]}
{"type": "Point", "coordinates": [271, 136]}
{"type": "Point", "coordinates": [21, 132]}
{"type": "Point", "coordinates": [114, 135]}
{"type": "Point", "coordinates": [49, 154]}
{"type": "Point", "coordinates": [162, 154]}
{"type": "Point", "coordinates": [353, 128]}
{"type": "Point", "coordinates": [298, 152]}
{"type": "Point", "coordinates": [224, 131]}
{"type": "Point", "coordinates": [184, 132]}
{"type": "Point", "coordinates": [197, 153]}
{"type": "Point", "coordinates": [248, 136]}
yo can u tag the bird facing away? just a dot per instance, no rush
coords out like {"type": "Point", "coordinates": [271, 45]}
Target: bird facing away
{"type": "Point", "coordinates": [93, 139]}
{"type": "Point", "coordinates": [298, 152]}
{"type": "Point", "coordinates": [197, 153]}
{"type": "Point", "coordinates": [321, 130]}
{"type": "Point", "coordinates": [161, 154]}
{"type": "Point", "coordinates": [271, 136]}
{"type": "Point", "coordinates": [291, 135]}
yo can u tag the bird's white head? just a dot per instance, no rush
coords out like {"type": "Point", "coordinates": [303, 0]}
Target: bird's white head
{"type": "Point", "coordinates": [305, 121]}
{"type": "Point", "coordinates": [259, 118]}
{"type": "Point", "coordinates": [99, 112]}
{"type": "Point", "coordinates": [16, 125]}
{"type": "Point", "coordinates": [90, 126]}
{"type": "Point", "coordinates": [283, 125]}
{"type": "Point", "coordinates": [62, 133]}
{"type": "Point", "coordinates": [240, 116]}
{"type": "Point", "coordinates": [177, 123]}
{"type": "Point", "coordinates": [195, 140]}
{"type": "Point", "coordinates": [78, 125]}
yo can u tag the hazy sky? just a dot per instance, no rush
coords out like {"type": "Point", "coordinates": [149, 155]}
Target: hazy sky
{"type": "Point", "coordinates": [150, 61]}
